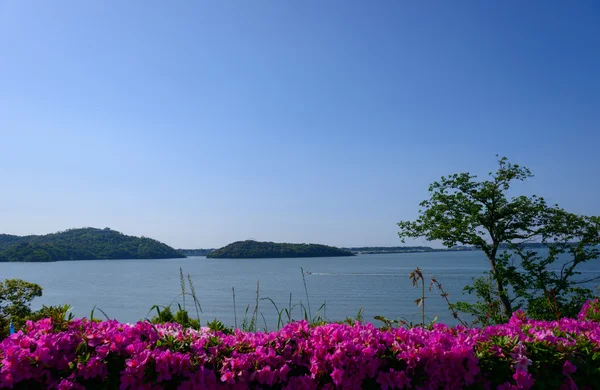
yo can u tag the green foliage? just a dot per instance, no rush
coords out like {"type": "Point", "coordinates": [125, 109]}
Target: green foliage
{"type": "Point", "coordinates": [359, 317]}
{"type": "Point", "coordinates": [164, 315]}
{"type": "Point", "coordinates": [591, 311]}
{"type": "Point", "coordinates": [181, 316]}
{"type": "Point", "coordinates": [402, 323]}
{"type": "Point", "coordinates": [488, 309]}
{"type": "Point", "coordinates": [547, 361]}
{"type": "Point", "coordinates": [463, 210]}
{"type": "Point", "coordinates": [60, 316]}
{"type": "Point", "coordinates": [550, 294]}
{"type": "Point", "coordinates": [248, 325]}
{"type": "Point", "coordinates": [255, 249]}
{"type": "Point", "coordinates": [82, 244]}
{"type": "Point", "coordinates": [15, 298]}
{"type": "Point", "coordinates": [218, 326]}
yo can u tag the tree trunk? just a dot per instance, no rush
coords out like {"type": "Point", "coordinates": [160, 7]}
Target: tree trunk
{"type": "Point", "coordinates": [499, 284]}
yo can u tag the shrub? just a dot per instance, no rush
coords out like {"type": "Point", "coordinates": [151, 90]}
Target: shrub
{"type": "Point", "coordinates": [590, 311]}
{"type": "Point", "coordinates": [518, 355]}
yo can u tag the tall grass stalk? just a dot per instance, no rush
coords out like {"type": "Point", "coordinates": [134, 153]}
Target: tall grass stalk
{"type": "Point", "coordinates": [197, 304]}
{"type": "Point", "coordinates": [100, 310]}
{"type": "Point", "coordinates": [234, 309]}
{"type": "Point", "coordinates": [279, 312]}
{"type": "Point", "coordinates": [245, 323]}
{"type": "Point", "coordinates": [416, 276]}
{"type": "Point", "coordinates": [306, 291]}
{"type": "Point", "coordinates": [254, 322]}
{"type": "Point", "coordinates": [182, 285]}
{"type": "Point", "coordinates": [265, 321]}
{"type": "Point", "coordinates": [444, 295]}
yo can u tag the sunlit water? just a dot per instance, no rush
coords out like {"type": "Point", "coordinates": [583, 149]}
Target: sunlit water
{"type": "Point", "coordinates": [379, 284]}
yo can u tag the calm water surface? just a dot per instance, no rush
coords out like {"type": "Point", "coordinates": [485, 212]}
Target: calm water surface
{"type": "Point", "coordinates": [127, 289]}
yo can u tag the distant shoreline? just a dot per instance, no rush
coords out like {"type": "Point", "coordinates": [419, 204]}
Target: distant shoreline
{"type": "Point", "coordinates": [378, 250]}
{"type": "Point", "coordinates": [383, 252]}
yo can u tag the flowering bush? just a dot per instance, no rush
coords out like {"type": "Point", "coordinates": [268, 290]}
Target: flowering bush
{"type": "Point", "coordinates": [590, 311]}
{"type": "Point", "coordinates": [99, 355]}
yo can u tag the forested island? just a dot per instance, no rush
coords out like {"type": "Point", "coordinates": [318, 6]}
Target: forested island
{"type": "Point", "coordinates": [82, 244]}
{"type": "Point", "coordinates": [254, 249]}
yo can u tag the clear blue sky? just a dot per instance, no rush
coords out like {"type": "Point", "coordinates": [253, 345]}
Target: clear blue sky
{"type": "Point", "coordinates": [202, 123]}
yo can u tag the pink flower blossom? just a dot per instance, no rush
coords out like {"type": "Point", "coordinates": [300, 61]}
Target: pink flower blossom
{"type": "Point", "coordinates": [569, 368]}
{"type": "Point", "coordinates": [298, 356]}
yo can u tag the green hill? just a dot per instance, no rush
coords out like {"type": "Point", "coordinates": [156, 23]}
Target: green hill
{"type": "Point", "coordinates": [82, 244]}
{"type": "Point", "coordinates": [255, 249]}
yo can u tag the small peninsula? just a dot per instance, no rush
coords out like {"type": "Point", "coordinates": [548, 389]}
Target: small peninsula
{"type": "Point", "coordinates": [82, 244]}
{"type": "Point", "coordinates": [255, 249]}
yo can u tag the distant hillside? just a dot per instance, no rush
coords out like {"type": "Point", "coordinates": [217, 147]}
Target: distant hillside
{"type": "Point", "coordinates": [373, 250]}
{"type": "Point", "coordinates": [82, 244]}
{"type": "Point", "coordinates": [196, 252]}
{"type": "Point", "coordinates": [254, 249]}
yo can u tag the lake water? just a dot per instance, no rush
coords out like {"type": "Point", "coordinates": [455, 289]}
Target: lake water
{"type": "Point", "coordinates": [127, 289]}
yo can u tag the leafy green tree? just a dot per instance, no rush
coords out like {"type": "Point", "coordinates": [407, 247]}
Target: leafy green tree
{"type": "Point", "coordinates": [464, 210]}
{"type": "Point", "coordinates": [551, 293]}
{"type": "Point", "coordinates": [15, 297]}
